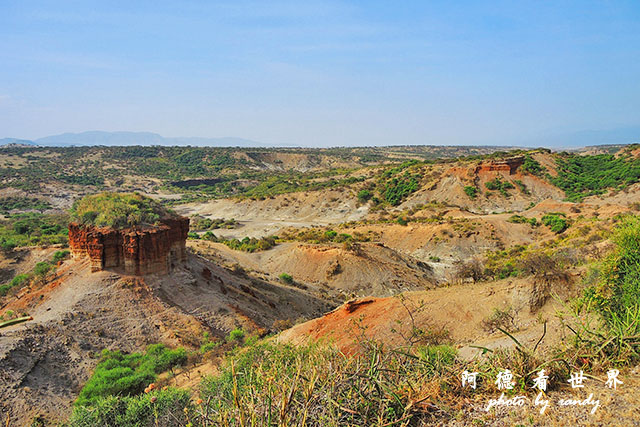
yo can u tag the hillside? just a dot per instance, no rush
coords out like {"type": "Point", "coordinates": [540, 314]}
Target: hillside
{"type": "Point", "coordinates": [286, 261]}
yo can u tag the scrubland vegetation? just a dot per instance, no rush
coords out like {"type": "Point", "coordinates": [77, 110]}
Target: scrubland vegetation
{"type": "Point", "coordinates": [23, 203]}
{"type": "Point", "coordinates": [39, 273]}
{"type": "Point", "coordinates": [499, 185]}
{"type": "Point", "coordinates": [262, 382]}
{"type": "Point", "coordinates": [27, 229]}
{"type": "Point", "coordinates": [582, 176]}
{"type": "Point", "coordinates": [118, 210]}
{"type": "Point", "coordinates": [200, 223]}
{"type": "Point", "coordinates": [128, 374]}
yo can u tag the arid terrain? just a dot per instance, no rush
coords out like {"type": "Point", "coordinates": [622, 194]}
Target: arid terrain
{"type": "Point", "coordinates": [479, 250]}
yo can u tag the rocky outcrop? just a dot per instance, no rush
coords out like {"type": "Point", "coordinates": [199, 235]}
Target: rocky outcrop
{"type": "Point", "coordinates": [509, 165]}
{"type": "Point", "coordinates": [136, 250]}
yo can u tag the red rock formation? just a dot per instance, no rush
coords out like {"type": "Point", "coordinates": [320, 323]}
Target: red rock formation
{"type": "Point", "coordinates": [136, 250]}
{"type": "Point", "coordinates": [509, 165]}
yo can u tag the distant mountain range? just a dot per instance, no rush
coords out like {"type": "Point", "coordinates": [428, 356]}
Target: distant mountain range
{"type": "Point", "coordinates": [129, 138]}
{"type": "Point", "coordinates": [16, 141]}
{"type": "Point", "coordinates": [571, 140]}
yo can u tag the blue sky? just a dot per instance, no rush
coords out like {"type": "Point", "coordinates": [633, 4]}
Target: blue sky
{"type": "Point", "coordinates": [321, 72]}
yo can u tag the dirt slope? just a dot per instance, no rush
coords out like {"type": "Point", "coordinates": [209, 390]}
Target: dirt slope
{"type": "Point", "coordinates": [368, 269]}
{"type": "Point", "coordinates": [460, 310]}
{"type": "Point", "coordinates": [46, 361]}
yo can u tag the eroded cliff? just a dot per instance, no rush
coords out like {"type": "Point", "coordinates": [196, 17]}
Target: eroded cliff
{"type": "Point", "coordinates": [135, 250]}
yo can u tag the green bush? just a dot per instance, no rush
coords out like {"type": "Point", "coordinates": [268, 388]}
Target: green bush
{"type": "Point", "coordinates": [343, 237]}
{"type": "Point", "coordinates": [519, 219]}
{"type": "Point", "coordinates": [22, 203]}
{"type": "Point", "coordinates": [330, 234]}
{"type": "Point", "coordinates": [531, 166]}
{"type": "Point", "coordinates": [471, 191]}
{"type": "Point", "coordinates": [209, 236]}
{"type": "Point", "coordinates": [398, 188]}
{"type": "Point", "coordinates": [200, 223]}
{"type": "Point", "coordinates": [60, 256]}
{"type": "Point", "coordinates": [18, 280]}
{"type": "Point", "coordinates": [42, 268]}
{"type": "Point", "coordinates": [620, 290]}
{"type": "Point", "coordinates": [286, 278]}
{"type": "Point", "coordinates": [237, 335]}
{"type": "Point", "coordinates": [364, 196]}
{"type": "Point", "coordinates": [251, 244]}
{"type": "Point", "coordinates": [499, 185]}
{"type": "Point", "coordinates": [120, 374]}
{"type": "Point", "coordinates": [521, 186]}
{"type": "Point", "coordinates": [208, 346]}
{"type": "Point", "coordinates": [556, 222]}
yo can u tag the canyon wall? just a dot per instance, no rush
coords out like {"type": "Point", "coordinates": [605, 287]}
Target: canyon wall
{"type": "Point", "coordinates": [136, 250]}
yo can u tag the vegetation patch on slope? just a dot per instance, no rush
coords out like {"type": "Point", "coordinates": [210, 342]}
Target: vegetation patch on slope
{"type": "Point", "coordinates": [118, 210]}
{"type": "Point", "coordinates": [582, 176]}
{"type": "Point", "coordinates": [121, 374]}
{"type": "Point", "coordinates": [30, 229]}
{"type": "Point", "coordinates": [23, 203]}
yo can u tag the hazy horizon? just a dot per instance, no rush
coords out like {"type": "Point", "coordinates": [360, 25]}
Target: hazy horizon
{"type": "Point", "coordinates": [324, 73]}
{"type": "Point", "coordinates": [126, 138]}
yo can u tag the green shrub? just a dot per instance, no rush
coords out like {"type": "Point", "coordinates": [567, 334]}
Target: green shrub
{"type": "Point", "coordinates": [364, 196]}
{"type": "Point", "coordinates": [128, 374]}
{"type": "Point", "coordinates": [532, 166]}
{"type": "Point", "coordinates": [60, 256]}
{"type": "Point", "coordinates": [471, 191]}
{"type": "Point", "coordinates": [499, 185]}
{"type": "Point", "coordinates": [4, 289]}
{"type": "Point", "coordinates": [209, 236]}
{"type": "Point", "coordinates": [556, 222]}
{"type": "Point", "coordinates": [343, 237]}
{"type": "Point", "coordinates": [398, 188]}
{"type": "Point", "coordinates": [236, 335]}
{"type": "Point", "coordinates": [193, 235]}
{"type": "Point", "coordinates": [42, 268]}
{"type": "Point", "coordinates": [17, 281]}
{"type": "Point", "coordinates": [200, 223]}
{"type": "Point", "coordinates": [521, 186]}
{"type": "Point", "coordinates": [519, 219]}
{"type": "Point", "coordinates": [251, 244]}
{"type": "Point", "coordinates": [330, 234]}
{"type": "Point", "coordinates": [436, 357]}
{"type": "Point", "coordinates": [620, 290]}
{"type": "Point", "coordinates": [286, 278]}
{"type": "Point", "coordinates": [208, 346]}
{"type": "Point", "coordinates": [22, 203]}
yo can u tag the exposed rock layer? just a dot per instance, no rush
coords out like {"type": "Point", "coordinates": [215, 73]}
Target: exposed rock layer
{"type": "Point", "coordinates": [509, 165]}
{"type": "Point", "coordinates": [137, 250]}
